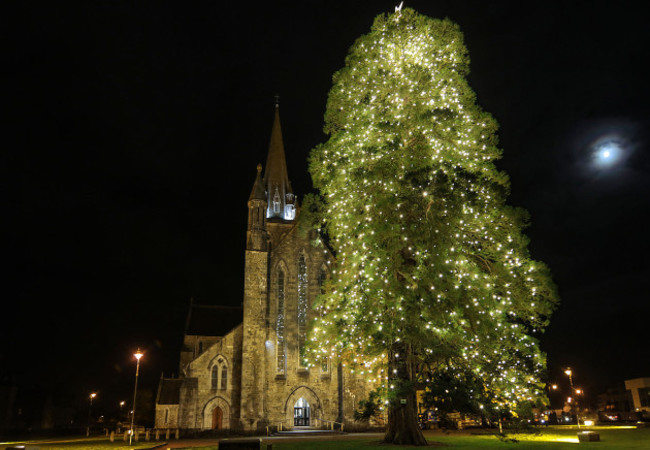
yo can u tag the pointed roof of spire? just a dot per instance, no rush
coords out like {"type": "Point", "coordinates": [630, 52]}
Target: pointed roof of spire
{"type": "Point", "coordinates": [258, 192]}
{"type": "Point", "coordinates": [276, 163]}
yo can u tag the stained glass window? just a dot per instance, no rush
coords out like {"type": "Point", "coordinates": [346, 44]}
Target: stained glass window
{"type": "Point", "coordinates": [279, 327]}
{"type": "Point", "coordinates": [302, 305]}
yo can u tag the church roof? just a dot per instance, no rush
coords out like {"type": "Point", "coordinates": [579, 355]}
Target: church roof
{"type": "Point", "coordinates": [169, 391]}
{"type": "Point", "coordinates": [276, 162]}
{"type": "Point", "coordinates": [276, 177]}
{"type": "Point", "coordinates": [212, 320]}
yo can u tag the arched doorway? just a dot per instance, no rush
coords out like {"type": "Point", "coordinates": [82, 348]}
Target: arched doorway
{"type": "Point", "coordinates": [217, 418]}
{"type": "Point", "coordinates": [301, 413]}
{"type": "Point", "coordinates": [311, 410]}
{"type": "Point", "coordinates": [216, 414]}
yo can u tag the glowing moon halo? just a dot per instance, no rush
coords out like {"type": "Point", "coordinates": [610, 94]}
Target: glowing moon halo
{"type": "Point", "coordinates": [607, 151]}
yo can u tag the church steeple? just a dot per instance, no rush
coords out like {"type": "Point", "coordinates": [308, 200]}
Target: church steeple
{"type": "Point", "coordinates": [280, 198]}
{"type": "Point", "coordinates": [256, 237]}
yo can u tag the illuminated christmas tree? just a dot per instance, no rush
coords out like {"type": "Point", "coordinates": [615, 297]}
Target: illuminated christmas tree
{"type": "Point", "coordinates": [432, 269]}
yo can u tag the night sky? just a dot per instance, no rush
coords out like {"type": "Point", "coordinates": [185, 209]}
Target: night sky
{"type": "Point", "coordinates": [135, 128]}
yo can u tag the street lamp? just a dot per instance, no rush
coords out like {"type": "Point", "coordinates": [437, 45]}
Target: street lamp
{"type": "Point", "coordinates": [569, 373]}
{"type": "Point", "coordinates": [137, 356]}
{"type": "Point", "coordinates": [121, 416]}
{"type": "Point", "coordinates": [554, 388]}
{"type": "Point", "coordinates": [90, 407]}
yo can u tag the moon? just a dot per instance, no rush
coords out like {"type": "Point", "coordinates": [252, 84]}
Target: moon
{"type": "Point", "coordinates": [608, 150]}
{"type": "Point", "coordinates": [604, 146]}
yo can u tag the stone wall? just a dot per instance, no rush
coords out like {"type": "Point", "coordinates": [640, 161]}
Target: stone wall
{"type": "Point", "coordinates": [193, 346]}
{"type": "Point", "coordinates": [199, 397]}
{"type": "Point", "coordinates": [254, 341]}
{"type": "Point", "coordinates": [258, 395]}
{"type": "Point", "coordinates": [168, 412]}
{"type": "Point", "coordinates": [282, 390]}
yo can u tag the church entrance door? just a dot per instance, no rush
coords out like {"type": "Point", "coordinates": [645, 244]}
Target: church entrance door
{"type": "Point", "coordinates": [301, 413]}
{"type": "Point", "coordinates": [217, 418]}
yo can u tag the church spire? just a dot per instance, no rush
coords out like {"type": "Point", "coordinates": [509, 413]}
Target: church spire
{"type": "Point", "coordinates": [280, 198]}
{"type": "Point", "coordinates": [256, 237]}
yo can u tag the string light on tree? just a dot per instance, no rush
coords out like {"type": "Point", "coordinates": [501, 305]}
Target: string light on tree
{"type": "Point", "coordinates": [432, 274]}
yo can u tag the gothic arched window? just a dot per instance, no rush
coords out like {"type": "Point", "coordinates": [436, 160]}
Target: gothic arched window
{"type": "Point", "coordinates": [302, 306]}
{"type": "Point", "coordinates": [279, 326]}
{"type": "Point", "coordinates": [322, 277]}
{"type": "Point", "coordinates": [224, 377]}
{"type": "Point", "coordinates": [215, 377]}
{"type": "Point", "coordinates": [219, 378]}
{"type": "Point", "coordinates": [276, 201]}
{"type": "Point", "coordinates": [325, 364]}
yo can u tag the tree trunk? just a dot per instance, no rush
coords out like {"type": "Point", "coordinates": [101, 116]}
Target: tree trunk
{"type": "Point", "coordinates": [403, 427]}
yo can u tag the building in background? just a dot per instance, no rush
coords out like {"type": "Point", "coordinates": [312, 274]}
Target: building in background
{"type": "Point", "coordinates": [640, 390]}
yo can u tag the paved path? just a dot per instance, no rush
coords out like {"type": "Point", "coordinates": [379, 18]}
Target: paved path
{"type": "Point", "coordinates": [198, 443]}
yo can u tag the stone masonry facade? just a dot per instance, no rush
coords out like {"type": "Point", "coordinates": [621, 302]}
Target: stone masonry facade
{"type": "Point", "coordinates": [248, 374]}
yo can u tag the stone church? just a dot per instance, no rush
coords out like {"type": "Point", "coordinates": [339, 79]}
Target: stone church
{"type": "Point", "coordinates": [240, 368]}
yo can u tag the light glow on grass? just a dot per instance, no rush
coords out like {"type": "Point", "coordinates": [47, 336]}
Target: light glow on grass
{"type": "Point", "coordinates": [546, 437]}
{"type": "Point", "coordinates": [569, 440]}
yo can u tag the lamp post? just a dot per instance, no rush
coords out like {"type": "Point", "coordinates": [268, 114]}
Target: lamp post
{"type": "Point", "coordinates": [569, 372]}
{"type": "Point", "coordinates": [122, 403]}
{"type": "Point", "coordinates": [137, 356]}
{"type": "Point", "coordinates": [90, 407]}
{"type": "Point", "coordinates": [554, 388]}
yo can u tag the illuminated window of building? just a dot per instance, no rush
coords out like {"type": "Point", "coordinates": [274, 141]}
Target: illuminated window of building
{"type": "Point", "coordinates": [302, 306]}
{"type": "Point", "coordinates": [276, 201]}
{"type": "Point", "coordinates": [279, 326]}
{"type": "Point", "coordinates": [322, 277]}
{"type": "Point", "coordinates": [325, 364]}
{"type": "Point", "coordinates": [290, 212]}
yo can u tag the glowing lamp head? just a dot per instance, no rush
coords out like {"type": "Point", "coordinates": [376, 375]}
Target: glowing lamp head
{"type": "Point", "coordinates": [554, 386]}
{"type": "Point", "coordinates": [93, 395]}
{"type": "Point", "coordinates": [568, 372]}
{"type": "Point", "coordinates": [138, 355]}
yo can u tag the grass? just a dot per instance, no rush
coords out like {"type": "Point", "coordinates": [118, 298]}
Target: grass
{"type": "Point", "coordinates": [549, 438]}
{"type": "Point", "coordinates": [555, 438]}
{"type": "Point", "coordinates": [84, 443]}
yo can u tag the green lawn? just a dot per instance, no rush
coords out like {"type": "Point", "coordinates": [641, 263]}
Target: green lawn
{"type": "Point", "coordinates": [550, 438]}
{"type": "Point", "coordinates": [79, 444]}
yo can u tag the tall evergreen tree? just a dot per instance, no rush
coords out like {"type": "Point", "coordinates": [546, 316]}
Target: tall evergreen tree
{"type": "Point", "coordinates": [432, 269]}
